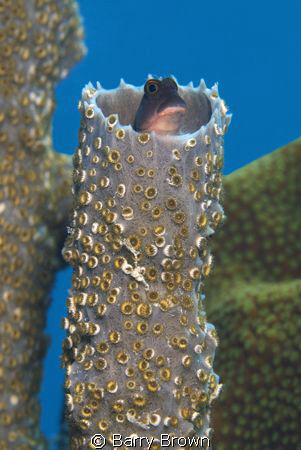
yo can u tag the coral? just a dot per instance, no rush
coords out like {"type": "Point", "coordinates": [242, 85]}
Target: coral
{"type": "Point", "coordinates": [253, 298]}
{"type": "Point", "coordinates": [39, 42]}
{"type": "Point", "coordinates": [139, 351]}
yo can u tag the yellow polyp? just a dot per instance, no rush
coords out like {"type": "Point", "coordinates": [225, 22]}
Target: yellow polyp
{"type": "Point", "coordinates": [112, 119]}
{"type": "Point", "coordinates": [120, 133]}
{"type": "Point", "coordinates": [143, 138]}
{"type": "Point", "coordinates": [202, 220]}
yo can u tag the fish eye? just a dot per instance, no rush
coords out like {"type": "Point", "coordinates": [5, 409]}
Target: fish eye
{"type": "Point", "coordinates": [152, 86]}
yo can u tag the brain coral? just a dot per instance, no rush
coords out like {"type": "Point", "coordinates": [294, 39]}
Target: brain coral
{"type": "Point", "coordinates": [253, 298]}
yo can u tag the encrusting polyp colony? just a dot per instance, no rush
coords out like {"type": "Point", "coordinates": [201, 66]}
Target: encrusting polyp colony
{"type": "Point", "coordinates": [139, 352]}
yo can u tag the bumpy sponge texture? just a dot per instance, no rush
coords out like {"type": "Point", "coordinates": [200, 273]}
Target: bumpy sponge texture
{"type": "Point", "coordinates": [138, 355]}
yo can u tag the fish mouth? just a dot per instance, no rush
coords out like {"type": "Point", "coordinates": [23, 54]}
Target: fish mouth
{"type": "Point", "coordinates": [170, 110]}
{"type": "Point", "coordinates": [168, 120]}
{"type": "Point", "coordinates": [173, 105]}
{"type": "Point", "coordinates": [168, 117]}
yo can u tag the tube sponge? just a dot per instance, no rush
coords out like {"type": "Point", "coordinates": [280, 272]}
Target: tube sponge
{"type": "Point", "coordinates": [139, 351]}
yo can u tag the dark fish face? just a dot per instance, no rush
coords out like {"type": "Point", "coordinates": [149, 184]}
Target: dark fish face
{"type": "Point", "coordinates": [161, 108]}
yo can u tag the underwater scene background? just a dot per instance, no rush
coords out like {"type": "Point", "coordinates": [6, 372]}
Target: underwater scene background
{"type": "Point", "coordinates": [252, 49]}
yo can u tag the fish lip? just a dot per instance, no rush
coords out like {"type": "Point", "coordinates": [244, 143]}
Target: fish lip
{"type": "Point", "coordinates": [173, 105]}
{"type": "Point", "coordinates": [171, 110]}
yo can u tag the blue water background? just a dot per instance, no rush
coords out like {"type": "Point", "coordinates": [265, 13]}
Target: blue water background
{"type": "Point", "coordinates": [251, 48]}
